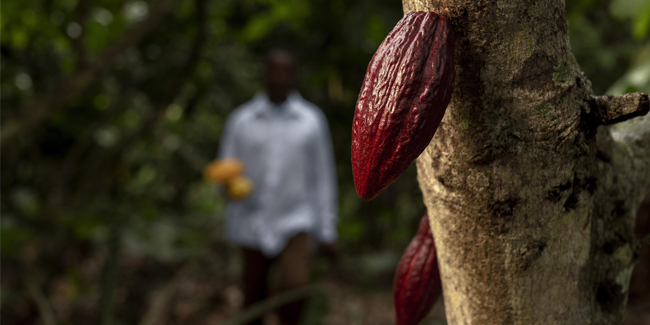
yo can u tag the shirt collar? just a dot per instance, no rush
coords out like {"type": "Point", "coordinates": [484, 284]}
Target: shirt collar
{"type": "Point", "coordinates": [288, 108]}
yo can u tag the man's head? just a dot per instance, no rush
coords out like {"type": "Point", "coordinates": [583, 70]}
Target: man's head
{"type": "Point", "coordinates": [279, 74]}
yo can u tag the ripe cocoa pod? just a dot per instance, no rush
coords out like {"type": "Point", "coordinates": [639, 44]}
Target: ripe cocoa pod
{"type": "Point", "coordinates": [222, 170]}
{"type": "Point", "coordinates": [407, 87]}
{"type": "Point", "coordinates": [239, 188]}
{"type": "Point", "coordinates": [417, 284]}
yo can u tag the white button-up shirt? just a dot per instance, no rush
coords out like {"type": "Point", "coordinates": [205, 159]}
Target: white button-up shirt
{"type": "Point", "coordinates": [287, 152]}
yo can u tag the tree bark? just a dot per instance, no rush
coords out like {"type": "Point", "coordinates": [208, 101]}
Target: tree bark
{"type": "Point", "coordinates": [531, 195]}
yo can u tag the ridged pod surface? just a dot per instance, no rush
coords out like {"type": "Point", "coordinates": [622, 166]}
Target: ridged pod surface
{"type": "Point", "coordinates": [407, 87]}
{"type": "Point", "coordinates": [417, 284]}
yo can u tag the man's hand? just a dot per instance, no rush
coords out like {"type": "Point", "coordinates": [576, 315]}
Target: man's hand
{"type": "Point", "coordinates": [230, 172]}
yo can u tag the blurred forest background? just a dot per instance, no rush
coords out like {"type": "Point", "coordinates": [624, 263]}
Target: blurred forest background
{"type": "Point", "coordinates": [111, 108]}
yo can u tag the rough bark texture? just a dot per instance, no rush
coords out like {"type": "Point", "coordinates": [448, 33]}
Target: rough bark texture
{"type": "Point", "coordinates": [531, 196]}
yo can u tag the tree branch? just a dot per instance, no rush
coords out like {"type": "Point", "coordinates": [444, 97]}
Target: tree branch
{"type": "Point", "coordinates": [80, 42]}
{"type": "Point", "coordinates": [42, 304]}
{"type": "Point", "coordinates": [188, 68]}
{"type": "Point", "coordinates": [40, 108]}
{"type": "Point", "coordinates": [614, 109]}
{"type": "Point", "coordinates": [633, 140]}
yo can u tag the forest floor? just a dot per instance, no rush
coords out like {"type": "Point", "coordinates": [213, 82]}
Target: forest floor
{"type": "Point", "coordinates": [206, 293]}
{"type": "Point", "coordinates": [195, 295]}
{"type": "Point", "coordinates": [340, 304]}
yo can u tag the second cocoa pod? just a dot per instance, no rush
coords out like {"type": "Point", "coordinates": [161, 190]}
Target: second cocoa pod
{"type": "Point", "coordinates": [405, 92]}
{"type": "Point", "coordinates": [417, 283]}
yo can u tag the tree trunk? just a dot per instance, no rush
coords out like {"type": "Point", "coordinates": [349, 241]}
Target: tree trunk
{"type": "Point", "coordinates": [531, 195]}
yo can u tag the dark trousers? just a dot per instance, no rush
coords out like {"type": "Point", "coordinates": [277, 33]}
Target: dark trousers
{"type": "Point", "coordinates": [294, 267]}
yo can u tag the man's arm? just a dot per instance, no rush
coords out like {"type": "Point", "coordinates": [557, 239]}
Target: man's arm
{"type": "Point", "coordinates": [325, 185]}
{"type": "Point", "coordinates": [227, 147]}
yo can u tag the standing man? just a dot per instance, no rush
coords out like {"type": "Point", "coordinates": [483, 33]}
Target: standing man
{"type": "Point", "coordinates": [284, 143]}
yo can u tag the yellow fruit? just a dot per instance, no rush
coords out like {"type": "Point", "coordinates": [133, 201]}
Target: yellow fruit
{"type": "Point", "coordinates": [223, 170]}
{"type": "Point", "coordinates": [239, 188]}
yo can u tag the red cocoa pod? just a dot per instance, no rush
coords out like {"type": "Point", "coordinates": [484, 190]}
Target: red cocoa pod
{"type": "Point", "coordinates": [417, 284]}
{"type": "Point", "coordinates": [407, 87]}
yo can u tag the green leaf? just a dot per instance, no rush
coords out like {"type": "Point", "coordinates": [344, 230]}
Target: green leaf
{"type": "Point", "coordinates": [258, 27]}
{"type": "Point", "coordinates": [642, 25]}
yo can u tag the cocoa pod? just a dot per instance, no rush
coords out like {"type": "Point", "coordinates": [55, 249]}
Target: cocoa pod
{"type": "Point", "coordinates": [417, 284]}
{"type": "Point", "coordinates": [239, 188]}
{"type": "Point", "coordinates": [407, 87]}
{"type": "Point", "coordinates": [222, 170]}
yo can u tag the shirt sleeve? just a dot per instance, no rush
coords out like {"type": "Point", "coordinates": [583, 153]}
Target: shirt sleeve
{"type": "Point", "coordinates": [326, 187]}
{"type": "Point", "coordinates": [227, 145]}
